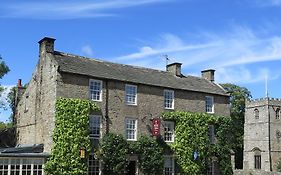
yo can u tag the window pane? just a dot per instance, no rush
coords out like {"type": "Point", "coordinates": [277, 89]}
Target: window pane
{"type": "Point", "coordinates": [131, 129]}
{"type": "Point", "coordinates": [168, 131]}
{"type": "Point", "coordinates": [209, 104]}
{"type": "Point", "coordinates": [95, 90]}
{"type": "Point", "coordinates": [131, 94]}
{"type": "Point", "coordinates": [95, 126]}
{"type": "Point", "coordinates": [168, 99]}
{"type": "Point", "coordinates": [168, 165]}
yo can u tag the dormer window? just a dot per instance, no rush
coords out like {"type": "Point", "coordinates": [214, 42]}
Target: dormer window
{"type": "Point", "coordinates": [257, 115]}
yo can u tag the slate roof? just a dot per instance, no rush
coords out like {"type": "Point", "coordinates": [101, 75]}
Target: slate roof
{"type": "Point", "coordinates": [107, 70]}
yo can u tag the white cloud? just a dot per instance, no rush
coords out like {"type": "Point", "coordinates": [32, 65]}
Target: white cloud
{"type": "Point", "coordinates": [87, 50]}
{"type": "Point", "coordinates": [68, 9]}
{"type": "Point", "coordinates": [230, 53]}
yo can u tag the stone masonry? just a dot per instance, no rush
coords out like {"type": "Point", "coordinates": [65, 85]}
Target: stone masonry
{"type": "Point", "coordinates": [262, 133]}
{"type": "Point", "coordinates": [35, 112]}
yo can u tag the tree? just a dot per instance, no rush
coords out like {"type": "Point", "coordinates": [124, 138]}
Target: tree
{"type": "Point", "coordinates": [4, 69]}
{"type": "Point", "coordinates": [238, 96]}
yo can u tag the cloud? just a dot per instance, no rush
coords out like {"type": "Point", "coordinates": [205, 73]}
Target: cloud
{"type": "Point", "coordinates": [230, 53]}
{"type": "Point", "coordinates": [87, 50]}
{"type": "Point", "coordinates": [68, 9]}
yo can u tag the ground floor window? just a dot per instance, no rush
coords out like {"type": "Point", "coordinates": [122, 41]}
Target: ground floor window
{"type": "Point", "coordinates": [21, 166]}
{"type": "Point", "coordinates": [169, 165]}
{"type": "Point", "coordinates": [257, 161]}
{"type": "Point", "coordinates": [93, 165]}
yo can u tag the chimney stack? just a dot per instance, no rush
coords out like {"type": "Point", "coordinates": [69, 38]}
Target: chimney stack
{"type": "Point", "coordinates": [208, 74]}
{"type": "Point", "coordinates": [174, 68]}
{"type": "Point", "coordinates": [46, 45]}
{"type": "Point", "coordinates": [19, 83]}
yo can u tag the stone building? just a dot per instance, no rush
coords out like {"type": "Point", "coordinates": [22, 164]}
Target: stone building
{"type": "Point", "coordinates": [262, 134]}
{"type": "Point", "coordinates": [129, 97]}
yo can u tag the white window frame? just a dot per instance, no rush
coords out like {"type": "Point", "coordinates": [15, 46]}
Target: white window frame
{"type": "Point", "coordinates": [16, 164]}
{"type": "Point", "coordinates": [135, 129]}
{"type": "Point", "coordinates": [94, 160]}
{"type": "Point", "coordinates": [167, 103]}
{"type": "Point", "coordinates": [210, 108]}
{"type": "Point", "coordinates": [96, 118]}
{"type": "Point", "coordinates": [173, 164]}
{"type": "Point", "coordinates": [131, 95]}
{"type": "Point", "coordinates": [93, 90]}
{"type": "Point", "coordinates": [169, 129]}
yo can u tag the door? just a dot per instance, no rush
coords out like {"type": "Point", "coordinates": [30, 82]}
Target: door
{"type": "Point", "coordinates": [132, 168]}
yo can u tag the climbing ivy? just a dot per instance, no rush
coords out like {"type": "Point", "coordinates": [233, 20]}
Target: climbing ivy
{"type": "Point", "coordinates": [71, 132]}
{"type": "Point", "coordinates": [191, 131]}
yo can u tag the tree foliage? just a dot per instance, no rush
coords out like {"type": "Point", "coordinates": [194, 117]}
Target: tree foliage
{"type": "Point", "coordinates": [238, 96]}
{"type": "Point", "coordinates": [192, 131]}
{"type": "Point", "coordinates": [115, 151]}
{"type": "Point", "coordinates": [4, 69]}
{"type": "Point", "coordinates": [70, 134]}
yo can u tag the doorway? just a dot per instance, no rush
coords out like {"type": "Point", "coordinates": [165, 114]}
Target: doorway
{"type": "Point", "coordinates": [132, 168]}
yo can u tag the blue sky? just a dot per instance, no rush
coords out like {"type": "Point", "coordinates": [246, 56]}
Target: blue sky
{"type": "Point", "coordinates": [241, 39]}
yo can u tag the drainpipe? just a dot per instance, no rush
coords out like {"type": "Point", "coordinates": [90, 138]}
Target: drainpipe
{"type": "Point", "coordinates": [106, 108]}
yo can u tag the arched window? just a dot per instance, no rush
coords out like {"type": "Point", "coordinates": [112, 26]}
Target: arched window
{"type": "Point", "coordinates": [277, 112]}
{"type": "Point", "coordinates": [257, 158]}
{"type": "Point", "coordinates": [256, 112]}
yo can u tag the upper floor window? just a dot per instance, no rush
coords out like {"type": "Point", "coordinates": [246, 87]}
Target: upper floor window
{"type": "Point", "coordinates": [131, 129]}
{"type": "Point", "coordinates": [169, 99]}
{"type": "Point", "coordinates": [169, 165]}
{"type": "Point", "coordinates": [257, 114]}
{"type": "Point", "coordinates": [131, 94]}
{"type": "Point", "coordinates": [209, 101]}
{"type": "Point", "coordinates": [96, 90]}
{"type": "Point", "coordinates": [95, 126]}
{"type": "Point", "coordinates": [169, 131]}
{"type": "Point", "coordinates": [277, 113]}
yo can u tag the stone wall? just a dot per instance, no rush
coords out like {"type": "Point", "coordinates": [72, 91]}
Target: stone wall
{"type": "Point", "coordinates": [150, 101]}
{"type": "Point", "coordinates": [36, 109]}
{"type": "Point", "coordinates": [253, 172]}
{"type": "Point", "coordinates": [261, 133]}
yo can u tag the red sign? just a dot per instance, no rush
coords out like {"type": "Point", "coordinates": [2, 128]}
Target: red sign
{"type": "Point", "coordinates": [156, 127]}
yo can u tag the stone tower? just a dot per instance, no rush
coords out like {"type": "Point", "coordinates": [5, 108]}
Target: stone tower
{"type": "Point", "coordinates": [262, 134]}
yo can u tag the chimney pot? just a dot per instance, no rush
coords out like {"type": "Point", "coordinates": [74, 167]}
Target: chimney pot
{"type": "Point", "coordinates": [208, 74]}
{"type": "Point", "coordinates": [174, 68]}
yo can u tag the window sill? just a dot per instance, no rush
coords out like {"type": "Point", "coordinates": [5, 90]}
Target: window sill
{"type": "Point", "coordinates": [96, 100]}
{"type": "Point", "coordinates": [132, 140]}
{"type": "Point", "coordinates": [131, 104]}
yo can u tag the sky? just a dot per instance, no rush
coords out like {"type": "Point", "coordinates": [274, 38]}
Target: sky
{"type": "Point", "coordinates": [240, 39]}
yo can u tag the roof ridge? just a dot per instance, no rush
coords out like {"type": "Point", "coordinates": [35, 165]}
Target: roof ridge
{"type": "Point", "coordinates": [110, 62]}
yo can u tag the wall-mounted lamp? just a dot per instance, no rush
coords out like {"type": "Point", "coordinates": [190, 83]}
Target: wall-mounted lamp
{"type": "Point", "coordinates": [82, 153]}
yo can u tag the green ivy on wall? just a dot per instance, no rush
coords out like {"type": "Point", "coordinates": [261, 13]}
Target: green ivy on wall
{"type": "Point", "coordinates": [192, 135]}
{"type": "Point", "coordinates": [71, 132]}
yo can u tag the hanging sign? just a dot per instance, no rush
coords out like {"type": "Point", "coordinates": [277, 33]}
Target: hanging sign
{"type": "Point", "coordinates": [156, 127]}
